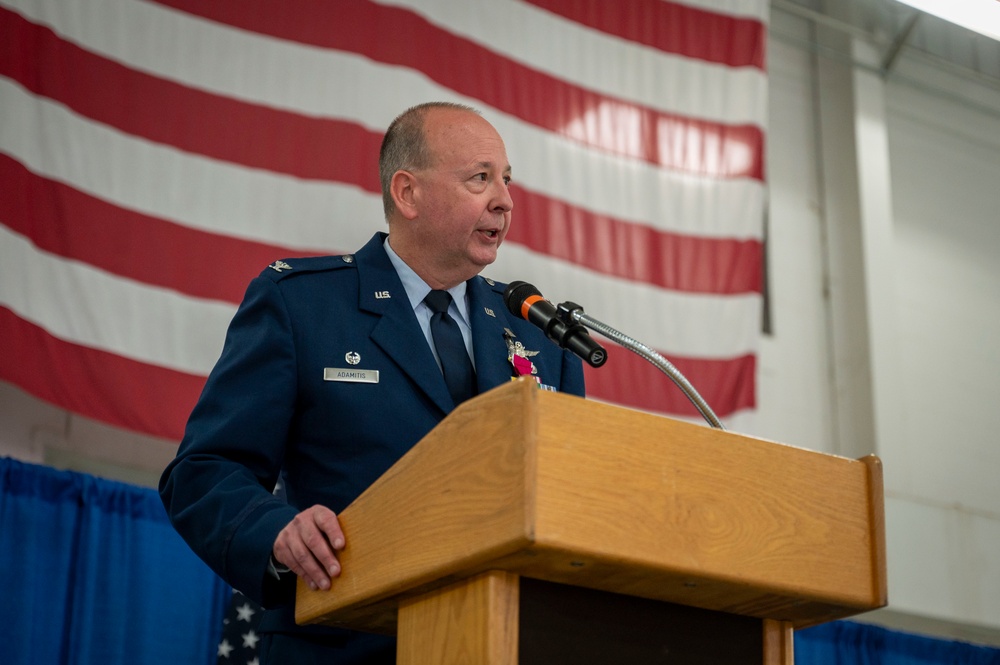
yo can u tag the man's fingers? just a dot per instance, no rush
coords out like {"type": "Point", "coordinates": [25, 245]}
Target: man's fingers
{"type": "Point", "coordinates": [302, 563]}
{"type": "Point", "coordinates": [322, 535]}
{"type": "Point", "coordinates": [307, 546]}
{"type": "Point", "coordinates": [293, 553]}
{"type": "Point", "coordinates": [328, 523]}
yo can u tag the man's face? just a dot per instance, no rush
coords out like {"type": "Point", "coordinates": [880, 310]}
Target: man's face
{"type": "Point", "coordinates": [462, 199]}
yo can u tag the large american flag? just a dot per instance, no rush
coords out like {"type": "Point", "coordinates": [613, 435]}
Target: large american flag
{"type": "Point", "coordinates": [155, 155]}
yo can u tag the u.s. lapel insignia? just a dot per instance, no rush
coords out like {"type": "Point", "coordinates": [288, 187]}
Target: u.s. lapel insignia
{"type": "Point", "coordinates": [278, 266]}
{"type": "Point", "coordinates": [489, 312]}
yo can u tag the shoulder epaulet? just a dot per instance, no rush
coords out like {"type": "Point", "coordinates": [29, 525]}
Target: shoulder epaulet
{"type": "Point", "coordinates": [493, 284]}
{"type": "Point", "coordinates": [285, 267]}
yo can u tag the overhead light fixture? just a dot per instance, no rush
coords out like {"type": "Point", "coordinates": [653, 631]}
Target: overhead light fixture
{"type": "Point", "coordinates": [982, 16]}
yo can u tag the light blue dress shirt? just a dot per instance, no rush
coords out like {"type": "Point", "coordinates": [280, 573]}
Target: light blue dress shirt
{"type": "Point", "coordinates": [417, 289]}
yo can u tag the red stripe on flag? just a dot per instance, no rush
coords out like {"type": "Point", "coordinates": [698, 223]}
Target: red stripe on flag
{"type": "Point", "coordinates": [727, 386]}
{"type": "Point", "coordinates": [64, 221]}
{"type": "Point", "coordinates": [97, 384]}
{"type": "Point", "coordinates": [672, 141]}
{"type": "Point", "coordinates": [155, 400]}
{"type": "Point", "coordinates": [672, 28]}
{"type": "Point", "coordinates": [635, 252]}
{"type": "Point", "coordinates": [184, 117]}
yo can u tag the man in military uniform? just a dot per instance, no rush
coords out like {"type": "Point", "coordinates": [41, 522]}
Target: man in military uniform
{"type": "Point", "coordinates": [334, 367]}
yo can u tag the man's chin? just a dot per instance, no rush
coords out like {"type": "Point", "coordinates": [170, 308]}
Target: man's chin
{"type": "Point", "coordinates": [484, 261]}
{"type": "Point", "coordinates": [483, 255]}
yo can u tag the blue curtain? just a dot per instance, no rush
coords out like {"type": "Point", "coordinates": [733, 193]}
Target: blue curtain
{"type": "Point", "coordinates": [93, 573]}
{"type": "Point", "coordinates": [850, 643]}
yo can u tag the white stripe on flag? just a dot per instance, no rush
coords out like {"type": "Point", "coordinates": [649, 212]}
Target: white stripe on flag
{"type": "Point", "coordinates": [754, 9]}
{"type": "Point", "coordinates": [593, 60]}
{"type": "Point", "coordinates": [81, 304]}
{"type": "Point", "coordinates": [191, 190]}
{"type": "Point", "coordinates": [682, 324]}
{"type": "Point", "coordinates": [156, 35]}
{"type": "Point", "coordinates": [88, 306]}
{"type": "Point", "coordinates": [209, 194]}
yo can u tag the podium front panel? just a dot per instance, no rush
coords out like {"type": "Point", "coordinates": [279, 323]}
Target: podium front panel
{"type": "Point", "coordinates": [559, 623]}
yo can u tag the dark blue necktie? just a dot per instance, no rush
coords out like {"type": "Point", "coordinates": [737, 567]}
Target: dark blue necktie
{"type": "Point", "coordinates": [455, 363]}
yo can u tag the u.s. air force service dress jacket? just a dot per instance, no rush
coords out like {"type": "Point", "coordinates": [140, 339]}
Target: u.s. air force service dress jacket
{"type": "Point", "coordinates": [269, 406]}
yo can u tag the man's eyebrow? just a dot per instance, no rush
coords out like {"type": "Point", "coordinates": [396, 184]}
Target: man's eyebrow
{"type": "Point", "coordinates": [489, 165]}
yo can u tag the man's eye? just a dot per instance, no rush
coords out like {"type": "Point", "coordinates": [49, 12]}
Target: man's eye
{"type": "Point", "coordinates": [506, 180]}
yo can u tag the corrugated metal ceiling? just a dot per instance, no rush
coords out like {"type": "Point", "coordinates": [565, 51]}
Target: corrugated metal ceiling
{"type": "Point", "coordinates": [899, 30]}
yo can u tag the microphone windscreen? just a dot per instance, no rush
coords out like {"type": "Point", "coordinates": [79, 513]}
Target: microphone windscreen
{"type": "Point", "coordinates": [515, 295]}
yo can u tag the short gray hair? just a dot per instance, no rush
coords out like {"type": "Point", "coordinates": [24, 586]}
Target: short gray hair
{"type": "Point", "coordinates": [404, 146]}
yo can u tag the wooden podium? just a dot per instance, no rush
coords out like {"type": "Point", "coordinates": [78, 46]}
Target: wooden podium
{"type": "Point", "coordinates": [535, 527]}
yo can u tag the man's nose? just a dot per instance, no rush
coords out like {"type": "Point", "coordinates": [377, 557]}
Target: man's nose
{"type": "Point", "coordinates": [502, 201]}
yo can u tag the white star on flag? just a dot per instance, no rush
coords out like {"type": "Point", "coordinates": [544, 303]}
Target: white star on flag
{"type": "Point", "coordinates": [244, 612]}
{"type": "Point", "coordinates": [250, 640]}
{"type": "Point", "coordinates": [224, 648]}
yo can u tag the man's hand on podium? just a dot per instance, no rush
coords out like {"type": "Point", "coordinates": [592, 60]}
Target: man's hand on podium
{"type": "Point", "coordinates": [308, 546]}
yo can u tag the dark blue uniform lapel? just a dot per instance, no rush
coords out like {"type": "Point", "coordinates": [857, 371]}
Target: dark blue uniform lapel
{"type": "Point", "coordinates": [397, 332]}
{"type": "Point", "coordinates": [489, 321]}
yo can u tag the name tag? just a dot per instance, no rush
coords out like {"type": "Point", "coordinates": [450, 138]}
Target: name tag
{"type": "Point", "coordinates": [350, 375]}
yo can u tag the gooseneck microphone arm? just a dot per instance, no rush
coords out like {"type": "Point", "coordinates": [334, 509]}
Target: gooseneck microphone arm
{"type": "Point", "coordinates": [572, 313]}
{"type": "Point", "coordinates": [565, 325]}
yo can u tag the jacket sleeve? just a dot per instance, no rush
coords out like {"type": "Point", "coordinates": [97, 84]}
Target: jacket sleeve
{"type": "Point", "coordinates": [218, 490]}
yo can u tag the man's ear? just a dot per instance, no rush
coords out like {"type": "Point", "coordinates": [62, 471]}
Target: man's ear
{"type": "Point", "coordinates": [403, 188]}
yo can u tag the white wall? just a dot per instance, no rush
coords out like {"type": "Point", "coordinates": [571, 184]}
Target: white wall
{"type": "Point", "coordinates": [887, 327]}
{"type": "Point", "coordinates": [945, 495]}
{"type": "Point", "coordinates": [34, 431]}
{"type": "Point", "coordinates": [794, 388]}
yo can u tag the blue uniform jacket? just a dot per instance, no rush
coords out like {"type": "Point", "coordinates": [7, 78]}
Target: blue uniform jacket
{"type": "Point", "coordinates": [266, 407]}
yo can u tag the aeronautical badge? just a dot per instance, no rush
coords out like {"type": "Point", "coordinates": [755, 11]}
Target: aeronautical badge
{"type": "Point", "coordinates": [518, 356]}
{"type": "Point", "coordinates": [278, 266]}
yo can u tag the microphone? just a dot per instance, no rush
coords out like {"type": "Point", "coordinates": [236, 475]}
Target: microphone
{"type": "Point", "coordinates": [525, 301]}
{"type": "Point", "coordinates": [564, 323]}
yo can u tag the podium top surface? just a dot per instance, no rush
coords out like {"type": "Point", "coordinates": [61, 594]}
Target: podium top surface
{"type": "Point", "coordinates": [568, 490]}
